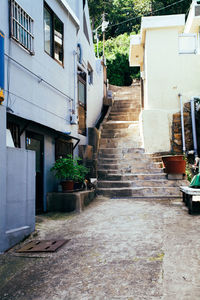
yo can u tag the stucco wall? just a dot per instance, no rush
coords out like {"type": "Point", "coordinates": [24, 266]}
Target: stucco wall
{"type": "Point", "coordinates": [31, 98]}
{"type": "Point", "coordinates": [167, 74]}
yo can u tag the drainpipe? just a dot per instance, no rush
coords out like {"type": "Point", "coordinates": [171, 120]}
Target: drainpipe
{"type": "Point", "coordinates": [192, 102]}
{"type": "Point", "coordinates": [2, 66]}
{"type": "Point", "coordinates": [74, 120]}
{"type": "Point", "coordinates": [182, 124]}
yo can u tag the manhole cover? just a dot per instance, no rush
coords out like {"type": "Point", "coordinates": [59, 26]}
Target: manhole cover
{"type": "Point", "coordinates": [43, 246]}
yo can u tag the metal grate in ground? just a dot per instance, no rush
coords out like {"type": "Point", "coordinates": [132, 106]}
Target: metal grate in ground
{"type": "Point", "coordinates": [42, 246]}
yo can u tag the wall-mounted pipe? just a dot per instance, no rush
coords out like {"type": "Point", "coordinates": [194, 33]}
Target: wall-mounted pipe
{"type": "Point", "coordinates": [192, 103]}
{"type": "Point", "coordinates": [182, 124]}
{"type": "Point", "coordinates": [1, 66]}
{"type": "Point", "coordinates": [74, 119]}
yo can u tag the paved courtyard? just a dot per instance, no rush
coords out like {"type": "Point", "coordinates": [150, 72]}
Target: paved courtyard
{"type": "Point", "coordinates": [118, 249]}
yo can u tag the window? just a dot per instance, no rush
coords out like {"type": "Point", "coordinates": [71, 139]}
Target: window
{"type": "Point", "coordinates": [82, 102]}
{"type": "Point", "coordinates": [90, 74]}
{"type": "Point", "coordinates": [21, 27]}
{"type": "Point", "coordinates": [187, 44]}
{"type": "Point", "coordinates": [53, 35]}
{"type": "Point", "coordinates": [63, 148]}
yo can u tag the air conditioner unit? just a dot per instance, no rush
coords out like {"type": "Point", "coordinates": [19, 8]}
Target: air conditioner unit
{"type": "Point", "coordinates": [197, 9]}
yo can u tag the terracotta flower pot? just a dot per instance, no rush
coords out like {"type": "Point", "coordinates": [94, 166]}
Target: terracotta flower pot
{"type": "Point", "coordinates": [168, 158]}
{"type": "Point", "coordinates": [67, 185]}
{"type": "Point", "coordinates": [175, 167]}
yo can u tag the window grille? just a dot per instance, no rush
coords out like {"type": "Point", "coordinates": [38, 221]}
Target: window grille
{"type": "Point", "coordinates": [21, 27]}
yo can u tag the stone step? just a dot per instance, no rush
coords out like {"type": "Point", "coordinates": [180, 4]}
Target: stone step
{"type": "Point", "coordinates": [134, 161]}
{"type": "Point", "coordinates": [116, 135]}
{"type": "Point", "coordinates": [129, 167]}
{"type": "Point", "coordinates": [117, 142]}
{"type": "Point", "coordinates": [121, 151]}
{"type": "Point", "coordinates": [132, 117]}
{"type": "Point", "coordinates": [118, 124]}
{"type": "Point", "coordinates": [120, 145]}
{"type": "Point", "coordinates": [127, 97]}
{"type": "Point", "coordinates": [121, 108]}
{"type": "Point", "coordinates": [105, 173]}
{"type": "Point", "coordinates": [133, 177]}
{"type": "Point", "coordinates": [141, 183]}
{"type": "Point", "coordinates": [130, 111]}
{"type": "Point", "coordinates": [140, 192]}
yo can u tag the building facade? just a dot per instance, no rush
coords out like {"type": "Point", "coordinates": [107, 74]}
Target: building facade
{"type": "Point", "coordinates": [167, 51]}
{"type": "Point", "coordinates": [53, 82]}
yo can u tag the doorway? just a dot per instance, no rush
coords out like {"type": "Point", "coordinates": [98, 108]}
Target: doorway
{"type": "Point", "coordinates": [82, 102]}
{"type": "Point", "coordinates": [35, 142]}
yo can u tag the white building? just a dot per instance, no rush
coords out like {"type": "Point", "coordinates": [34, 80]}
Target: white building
{"type": "Point", "coordinates": [167, 51]}
{"type": "Point", "coordinates": [53, 82]}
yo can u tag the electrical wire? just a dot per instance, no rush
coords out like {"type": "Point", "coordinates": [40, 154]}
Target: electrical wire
{"type": "Point", "coordinates": [134, 18]}
{"type": "Point", "coordinates": [26, 100]}
{"type": "Point", "coordinates": [39, 78]}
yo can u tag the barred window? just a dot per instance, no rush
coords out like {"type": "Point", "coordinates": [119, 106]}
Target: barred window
{"type": "Point", "coordinates": [21, 27]}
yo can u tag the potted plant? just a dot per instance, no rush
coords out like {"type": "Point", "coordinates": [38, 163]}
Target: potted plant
{"type": "Point", "coordinates": [174, 164]}
{"type": "Point", "coordinates": [69, 171]}
{"type": "Point", "coordinates": [80, 174]}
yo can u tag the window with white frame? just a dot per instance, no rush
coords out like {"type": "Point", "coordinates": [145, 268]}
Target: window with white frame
{"type": "Point", "coordinates": [188, 44]}
{"type": "Point", "coordinates": [21, 27]}
{"type": "Point", "coordinates": [53, 35]}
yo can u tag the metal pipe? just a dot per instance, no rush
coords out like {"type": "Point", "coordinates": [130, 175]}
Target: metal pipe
{"type": "Point", "coordinates": [38, 77]}
{"type": "Point", "coordinates": [74, 113]}
{"type": "Point", "coordinates": [194, 126]}
{"type": "Point", "coordinates": [182, 124]}
{"type": "Point", "coordinates": [2, 76]}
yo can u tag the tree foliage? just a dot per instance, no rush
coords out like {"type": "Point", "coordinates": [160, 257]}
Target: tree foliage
{"type": "Point", "coordinates": [119, 30]}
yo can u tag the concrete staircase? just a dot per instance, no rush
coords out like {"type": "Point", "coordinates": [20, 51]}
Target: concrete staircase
{"type": "Point", "coordinates": [124, 169]}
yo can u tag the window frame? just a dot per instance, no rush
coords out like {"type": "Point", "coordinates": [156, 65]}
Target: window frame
{"type": "Point", "coordinates": [52, 40]}
{"type": "Point", "coordinates": [194, 35]}
{"type": "Point", "coordinates": [14, 21]}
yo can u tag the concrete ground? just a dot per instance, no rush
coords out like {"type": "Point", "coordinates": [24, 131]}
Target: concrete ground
{"type": "Point", "coordinates": [118, 249]}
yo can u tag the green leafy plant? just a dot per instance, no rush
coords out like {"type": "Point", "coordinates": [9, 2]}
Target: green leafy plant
{"type": "Point", "coordinates": [69, 169]}
{"type": "Point", "coordinates": [188, 170]}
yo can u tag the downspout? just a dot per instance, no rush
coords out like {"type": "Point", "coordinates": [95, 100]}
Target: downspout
{"type": "Point", "coordinates": [182, 124]}
{"type": "Point", "coordinates": [194, 126]}
{"type": "Point", "coordinates": [2, 37]}
{"type": "Point", "coordinates": [74, 119]}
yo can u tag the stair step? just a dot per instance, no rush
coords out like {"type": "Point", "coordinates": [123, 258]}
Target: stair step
{"type": "Point", "coordinates": [121, 108]}
{"type": "Point", "coordinates": [128, 165]}
{"type": "Point", "coordinates": [136, 176]}
{"type": "Point", "coordinates": [105, 173]}
{"type": "Point", "coordinates": [119, 124]}
{"type": "Point", "coordinates": [141, 183]}
{"type": "Point", "coordinates": [134, 117]}
{"type": "Point", "coordinates": [129, 112]}
{"type": "Point", "coordinates": [135, 161]}
{"type": "Point", "coordinates": [140, 192]}
{"type": "Point", "coordinates": [123, 151]}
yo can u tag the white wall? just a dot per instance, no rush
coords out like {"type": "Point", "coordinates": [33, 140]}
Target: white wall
{"type": "Point", "coordinates": [167, 73]}
{"type": "Point", "coordinates": [38, 101]}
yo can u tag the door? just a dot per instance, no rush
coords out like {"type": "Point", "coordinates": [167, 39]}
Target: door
{"type": "Point", "coordinates": [82, 103]}
{"type": "Point", "coordinates": [35, 142]}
